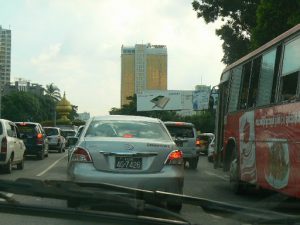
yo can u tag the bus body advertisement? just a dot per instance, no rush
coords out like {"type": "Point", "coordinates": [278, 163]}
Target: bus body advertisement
{"type": "Point", "coordinates": [258, 117]}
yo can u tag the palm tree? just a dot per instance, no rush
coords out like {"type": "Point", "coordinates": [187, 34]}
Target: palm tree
{"type": "Point", "coordinates": [54, 93]}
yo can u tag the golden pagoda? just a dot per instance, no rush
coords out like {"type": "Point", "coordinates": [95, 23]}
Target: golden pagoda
{"type": "Point", "coordinates": [63, 108]}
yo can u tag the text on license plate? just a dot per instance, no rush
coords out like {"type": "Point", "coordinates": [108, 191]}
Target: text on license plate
{"type": "Point", "coordinates": [128, 163]}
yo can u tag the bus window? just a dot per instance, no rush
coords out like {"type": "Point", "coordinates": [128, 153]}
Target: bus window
{"type": "Point", "coordinates": [289, 86]}
{"type": "Point", "coordinates": [254, 82]}
{"type": "Point", "coordinates": [290, 70]}
{"type": "Point", "coordinates": [245, 85]}
{"type": "Point", "coordinates": [234, 88]}
{"type": "Point", "coordinates": [266, 78]}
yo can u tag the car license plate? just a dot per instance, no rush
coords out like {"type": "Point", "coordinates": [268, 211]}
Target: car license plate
{"type": "Point", "coordinates": [128, 163]}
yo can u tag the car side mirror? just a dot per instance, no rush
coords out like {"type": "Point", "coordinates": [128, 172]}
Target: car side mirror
{"type": "Point", "coordinates": [71, 141]}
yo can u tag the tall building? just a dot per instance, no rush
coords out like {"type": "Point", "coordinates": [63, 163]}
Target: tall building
{"type": "Point", "coordinates": [5, 56]}
{"type": "Point", "coordinates": [143, 67]}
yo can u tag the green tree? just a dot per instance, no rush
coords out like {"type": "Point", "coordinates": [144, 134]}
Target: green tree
{"type": "Point", "coordinates": [24, 106]}
{"type": "Point", "coordinates": [239, 17]}
{"type": "Point", "coordinates": [247, 23]}
{"type": "Point", "coordinates": [273, 18]}
{"type": "Point", "coordinates": [53, 92]}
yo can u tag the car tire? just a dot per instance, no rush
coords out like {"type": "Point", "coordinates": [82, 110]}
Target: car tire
{"type": "Point", "coordinates": [8, 166]}
{"type": "Point", "coordinates": [175, 207]}
{"type": "Point", "coordinates": [193, 163]}
{"type": "Point", "coordinates": [20, 165]}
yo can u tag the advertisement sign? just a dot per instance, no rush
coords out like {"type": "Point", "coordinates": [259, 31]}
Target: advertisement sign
{"type": "Point", "coordinates": [159, 100]}
{"type": "Point", "coordinates": [200, 99]}
{"type": "Point", "coordinates": [173, 100]}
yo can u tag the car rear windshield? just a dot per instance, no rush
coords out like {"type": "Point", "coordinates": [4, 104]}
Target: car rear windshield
{"type": "Point", "coordinates": [1, 128]}
{"type": "Point", "coordinates": [68, 133]}
{"type": "Point", "coordinates": [127, 129]}
{"type": "Point", "coordinates": [27, 129]}
{"type": "Point", "coordinates": [205, 138]}
{"type": "Point", "coordinates": [181, 131]}
{"type": "Point", "coordinates": [51, 131]}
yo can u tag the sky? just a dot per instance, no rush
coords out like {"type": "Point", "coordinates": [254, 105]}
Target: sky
{"type": "Point", "coordinates": [76, 44]}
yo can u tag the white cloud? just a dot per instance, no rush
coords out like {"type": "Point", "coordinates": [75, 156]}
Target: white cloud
{"type": "Point", "coordinates": [77, 44]}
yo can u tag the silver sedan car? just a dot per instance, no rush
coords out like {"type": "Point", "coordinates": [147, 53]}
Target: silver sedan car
{"type": "Point", "coordinates": [130, 151]}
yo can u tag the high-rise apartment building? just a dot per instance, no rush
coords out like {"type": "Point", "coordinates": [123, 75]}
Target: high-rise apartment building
{"type": "Point", "coordinates": [5, 56]}
{"type": "Point", "coordinates": [143, 67]}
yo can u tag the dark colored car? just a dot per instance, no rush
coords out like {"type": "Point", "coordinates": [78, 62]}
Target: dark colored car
{"type": "Point", "coordinates": [34, 138]}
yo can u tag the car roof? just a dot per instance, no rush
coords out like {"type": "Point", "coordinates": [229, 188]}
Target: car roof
{"type": "Point", "coordinates": [52, 128]}
{"type": "Point", "coordinates": [30, 123]}
{"type": "Point", "coordinates": [206, 134]}
{"type": "Point", "coordinates": [178, 123]}
{"type": "Point", "coordinates": [126, 117]}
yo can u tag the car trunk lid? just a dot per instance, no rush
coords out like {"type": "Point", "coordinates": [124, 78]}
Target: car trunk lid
{"type": "Point", "coordinates": [129, 155]}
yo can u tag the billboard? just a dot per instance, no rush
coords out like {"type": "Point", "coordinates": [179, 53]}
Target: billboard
{"type": "Point", "coordinates": [201, 99]}
{"type": "Point", "coordinates": [159, 100]}
{"type": "Point", "coordinates": [173, 100]}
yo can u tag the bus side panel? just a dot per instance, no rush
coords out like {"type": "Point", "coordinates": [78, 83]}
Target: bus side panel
{"type": "Point", "coordinates": [278, 148]}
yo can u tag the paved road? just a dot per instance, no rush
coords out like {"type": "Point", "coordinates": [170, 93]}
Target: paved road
{"type": "Point", "coordinates": [205, 182]}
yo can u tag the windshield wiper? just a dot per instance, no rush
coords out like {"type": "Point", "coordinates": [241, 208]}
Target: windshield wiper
{"type": "Point", "coordinates": [114, 201]}
{"type": "Point", "coordinates": [95, 194]}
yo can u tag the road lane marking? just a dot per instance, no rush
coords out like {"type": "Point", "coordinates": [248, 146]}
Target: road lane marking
{"type": "Point", "coordinates": [215, 175]}
{"type": "Point", "coordinates": [50, 167]}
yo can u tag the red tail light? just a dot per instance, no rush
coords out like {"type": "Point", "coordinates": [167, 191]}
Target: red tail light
{"type": "Point", "coordinates": [39, 139]}
{"type": "Point", "coordinates": [198, 142]}
{"type": "Point", "coordinates": [175, 158]}
{"type": "Point", "coordinates": [4, 145]}
{"type": "Point", "coordinates": [81, 155]}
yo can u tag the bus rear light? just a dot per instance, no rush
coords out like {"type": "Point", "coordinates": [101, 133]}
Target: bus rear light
{"type": "Point", "coordinates": [81, 155]}
{"type": "Point", "coordinates": [4, 145]}
{"type": "Point", "coordinates": [175, 158]}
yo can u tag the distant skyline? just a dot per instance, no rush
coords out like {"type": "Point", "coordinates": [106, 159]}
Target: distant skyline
{"type": "Point", "coordinates": [76, 45]}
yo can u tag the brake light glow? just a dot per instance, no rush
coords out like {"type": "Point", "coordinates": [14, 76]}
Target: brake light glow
{"type": "Point", "coordinates": [127, 136]}
{"type": "Point", "coordinates": [81, 155]}
{"type": "Point", "coordinates": [179, 123]}
{"type": "Point", "coordinates": [175, 158]}
{"type": "Point", "coordinates": [23, 124]}
{"type": "Point", "coordinates": [39, 140]}
{"type": "Point", "coordinates": [198, 142]}
{"type": "Point", "coordinates": [4, 145]}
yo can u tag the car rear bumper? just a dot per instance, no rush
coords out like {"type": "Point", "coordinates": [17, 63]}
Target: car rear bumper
{"type": "Point", "coordinates": [169, 179]}
{"type": "Point", "coordinates": [3, 158]}
{"type": "Point", "coordinates": [190, 153]}
{"type": "Point", "coordinates": [55, 146]}
{"type": "Point", "coordinates": [33, 149]}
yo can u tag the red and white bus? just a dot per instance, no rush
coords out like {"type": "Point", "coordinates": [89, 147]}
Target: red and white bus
{"type": "Point", "coordinates": [258, 117]}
